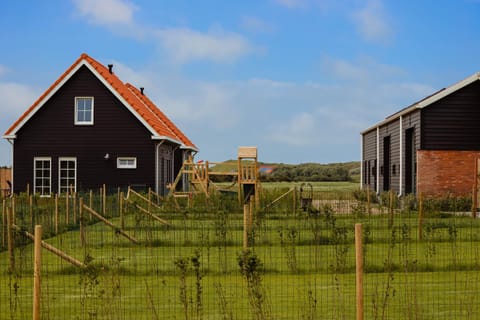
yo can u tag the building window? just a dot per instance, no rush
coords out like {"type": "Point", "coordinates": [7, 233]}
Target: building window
{"type": "Point", "coordinates": [83, 110]}
{"type": "Point", "coordinates": [42, 176]}
{"type": "Point", "coordinates": [127, 163]}
{"type": "Point", "coordinates": [67, 175]}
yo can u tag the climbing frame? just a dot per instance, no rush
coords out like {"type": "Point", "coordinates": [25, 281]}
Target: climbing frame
{"type": "Point", "coordinates": [198, 176]}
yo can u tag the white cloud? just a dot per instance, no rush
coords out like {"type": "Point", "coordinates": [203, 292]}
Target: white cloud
{"type": "Point", "coordinates": [3, 70]}
{"type": "Point", "coordinates": [298, 131]}
{"type": "Point", "coordinates": [256, 25]}
{"type": "Point", "coordinates": [184, 45]}
{"type": "Point", "coordinates": [320, 121]}
{"type": "Point", "coordinates": [291, 3]}
{"type": "Point", "coordinates": [364, 69]}
{"type": "Point", "coordinates": [16, 98]}
{"type": "Point", "coordinates": [372, 22]}
{"type": "Point", "coordinates": [107, 12]}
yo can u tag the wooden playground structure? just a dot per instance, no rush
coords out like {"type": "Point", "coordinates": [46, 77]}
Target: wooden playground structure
{"type": "Point", "coordinates": [197, 176]}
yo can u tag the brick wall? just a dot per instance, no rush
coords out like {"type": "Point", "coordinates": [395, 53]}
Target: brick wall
{"type": "Point", "coordinates": [5, 174]}
{"type": "Point", "coordinates": [440, 173]}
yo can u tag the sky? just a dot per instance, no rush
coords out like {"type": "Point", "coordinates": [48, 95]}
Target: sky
{"type": "Point", "coordinates": [299, 79]}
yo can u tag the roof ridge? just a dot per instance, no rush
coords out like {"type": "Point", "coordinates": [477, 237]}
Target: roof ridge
{"type": "Point", "coordinates": [130, 87]}
{"type": "Point", "coordinates": [140, 105]}
{"type": "Point", "coordinates": [161, 116]}
{"type": "Point", "coordinates": [43, 95]}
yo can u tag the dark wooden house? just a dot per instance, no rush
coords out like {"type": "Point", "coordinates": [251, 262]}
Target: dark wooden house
{"type": "Point", "coordinates": [89, 129]}
{"type": "Point", "coordinates": [431, 146]}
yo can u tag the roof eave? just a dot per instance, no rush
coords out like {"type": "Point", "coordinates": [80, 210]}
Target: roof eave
{"type": "Point", "coordinates": [167, 139]}
{"type": "Point", "coordinates": [391, 119]}
{"type": "Point", "coordinates": [189, 148]}
{"type": "Point", "coordinates": [424, 103]}
{"type": "Point", "coordinates": [9, 136]}
{"type": "Point", "coordinates": [44, 98]}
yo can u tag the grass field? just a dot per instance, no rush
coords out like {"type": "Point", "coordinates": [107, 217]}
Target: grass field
{"type": "Point", "coordinates": [300, 265]}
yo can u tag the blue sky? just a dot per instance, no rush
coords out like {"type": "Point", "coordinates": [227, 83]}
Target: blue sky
{"type": "Point", "coordinates": [297, 78]}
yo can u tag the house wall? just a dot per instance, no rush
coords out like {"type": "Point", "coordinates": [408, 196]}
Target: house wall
{"type": "Point", "coordinates": [369, 157]}
{"type": "Point", "coordinates": [391, 130]}
{"type": "Point", "coordinates": [452, 123]}
{"type": "Point", "coordinates": [443, 172]}
{"type": "Point", "coordinates": [51, 133]}
{"type": "Point", "coordinates": [411, 120]}
{"type": "Point", "coordinates": [397, 166]}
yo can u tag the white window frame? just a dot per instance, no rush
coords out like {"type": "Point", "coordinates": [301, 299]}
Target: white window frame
{"type": "Point", "coordinates": [121, 165]}
{"type": "Point", "coordinates": [74, 185]}
{"type": "Point", "coordinates": [43, 187]}
{"type": "Point", "coordinates": [80, 122]}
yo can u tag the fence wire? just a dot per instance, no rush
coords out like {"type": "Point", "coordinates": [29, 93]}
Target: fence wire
{"type": "Point", "coordinates": [198, 258]}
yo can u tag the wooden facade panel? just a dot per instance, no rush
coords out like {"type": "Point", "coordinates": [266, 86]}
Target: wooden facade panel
{"type": "Point", "coordinates": [52, 133]}
{"type": "Point", "coordinates": [452, 122]}
{"type": "Point", "coordinates": [411, 127]}
{"type": "Point", "coordinates": [369, 157]}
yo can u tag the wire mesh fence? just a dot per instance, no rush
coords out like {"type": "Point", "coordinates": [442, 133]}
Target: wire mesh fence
{"type": "Point", "coordinates": [133, 256]}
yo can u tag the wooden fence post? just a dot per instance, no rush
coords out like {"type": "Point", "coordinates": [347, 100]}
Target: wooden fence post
{"type": "Point", "coordinates": [104, 200]}
{"type": "Point", "coordinates": [369, 201]}
{"type": "Point", "coordinates": [359, 269]}
{"type": "Point", "coordinates": [246, 211]}
{"type": "Point", "coordinates": [122, 220]}
{"type": "Point", "coordinates": [251, 212]}
{"type": "Point", "coordinates": [90, 202]}
{"type": "Point", "coordinates": [149, 200]}
{"type": "Point", "coordinates": [82, 223]}
{"type": "Point", "coordinates": [294, 200]}
{"type": "Point", "coordinates": [30, 211]}
{"type": "Point", "coordinates": [74, 207]}
{"type": "Point", "coordinates": [390, 209]}
{"type": "Point", "coordinates": [56, 213]}
{"type": "Point", "coordinates": [36, 272]}
{"type": "Point", "coordinates": [4, 223]}
{"type": "Point", "coordinates": [474, 199]}
{"type": "Point", "coordinates": [10, 243]}
{"type": "Point", "coordinates": [420, 216]}
{"type": "Point", "coordinates": [14, 209]}
{"type": "Point", "coordinates": [67, 205]}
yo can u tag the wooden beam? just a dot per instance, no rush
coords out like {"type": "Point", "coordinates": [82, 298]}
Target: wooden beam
{"type": "Point", "coordinates": [36, 272]}
{"type": "Point", "coordinates": [51, 248]}
{"type": "Point", "coordinates": [151, 215]}
{"type": "Point", "coordinates": [111, 225]}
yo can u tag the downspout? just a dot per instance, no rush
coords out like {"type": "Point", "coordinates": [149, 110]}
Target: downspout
{"type": "Point", "coordinates": [173, 163]}
{"type": "Point", "coordinates": [12, 142]}
{"type": "Point", "coordinates": [378, 160]}
{"type": "Point", "coordinates": [400, 169]}
{"type": "Point", "coordinates": [156, 166]}
{"type": "Point", "coordinates": [361, 162]}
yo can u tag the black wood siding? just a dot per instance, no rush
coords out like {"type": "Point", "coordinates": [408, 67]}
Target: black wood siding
{"type": "Point", "coordinates": [453, 123]}
{"type": "Point", "coordinates": [369, 156]}
{"type": "Point", "coordinates": [51, 133]}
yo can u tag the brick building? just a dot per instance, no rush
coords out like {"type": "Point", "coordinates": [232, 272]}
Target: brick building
{"type": "Point", "coordinates": [431, 146]}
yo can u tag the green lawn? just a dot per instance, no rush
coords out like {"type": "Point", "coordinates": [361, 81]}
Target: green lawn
{"type": "Point", "coordinates": [305, 268]}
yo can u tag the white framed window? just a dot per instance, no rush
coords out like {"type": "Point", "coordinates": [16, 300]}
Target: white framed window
{"type": "Point", "coordinates": [67, 174]}
{"type": "Point", "coordinates": [127, 163]}
{"type": "Point", "coordinates": [83, 110]}
{"type": "Point", "coordinates": [42, 176]}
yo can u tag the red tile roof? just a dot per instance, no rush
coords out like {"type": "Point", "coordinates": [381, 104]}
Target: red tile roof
{"type": "Point", "coordinates": [142, 107]}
